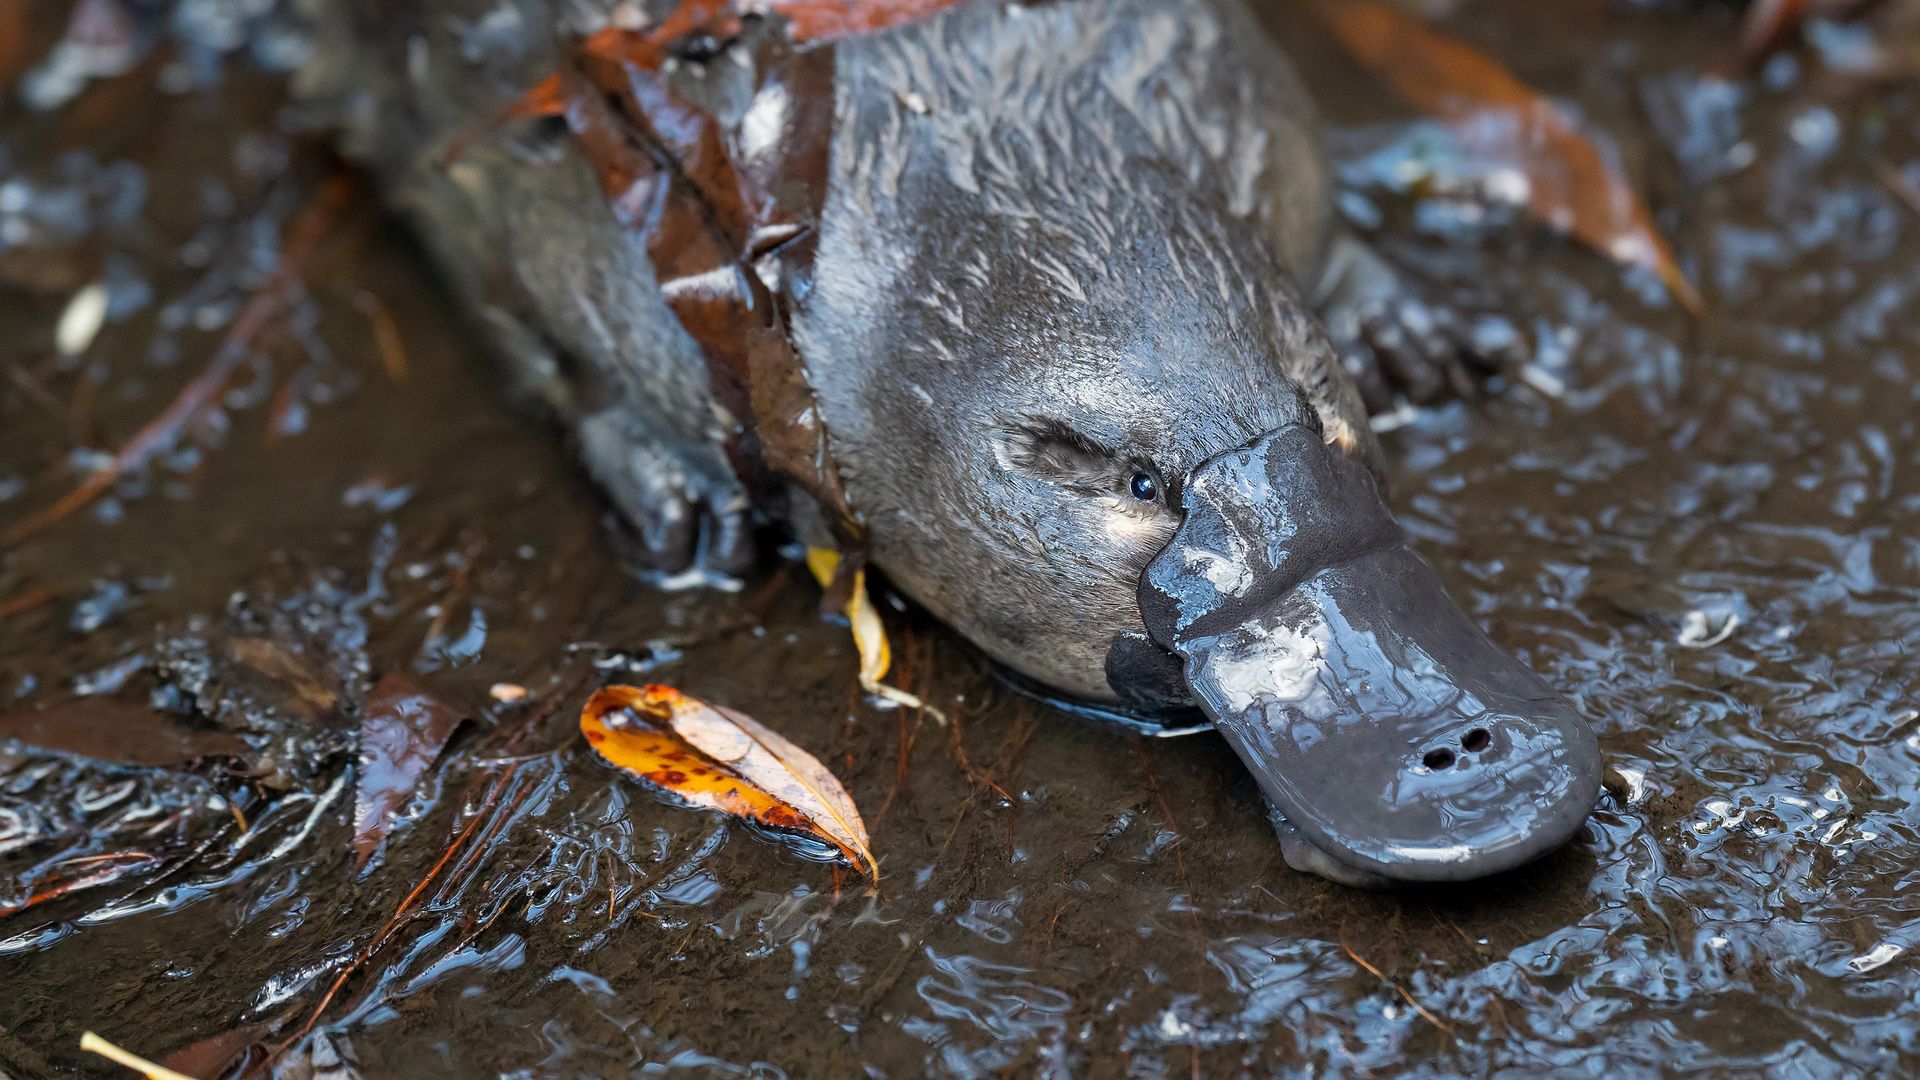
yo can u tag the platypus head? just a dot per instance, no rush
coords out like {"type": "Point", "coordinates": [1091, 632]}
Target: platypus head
{"type": "Point", "coordinates": [1091, 424]}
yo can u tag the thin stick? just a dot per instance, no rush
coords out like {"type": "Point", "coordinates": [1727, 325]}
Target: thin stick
{"type": "Point", "coordinates": [386, 335]}
{"type": "Point", "coordinates": [1397, 988]}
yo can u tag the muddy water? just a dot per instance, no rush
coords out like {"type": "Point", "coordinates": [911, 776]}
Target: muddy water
{"type": "Point", "coordinates": [1703, 530]}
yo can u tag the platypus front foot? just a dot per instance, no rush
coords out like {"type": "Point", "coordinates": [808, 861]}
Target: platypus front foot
{"type": "Point", "coordinates": [688, 511]}
{"type": "Point", "coordinates": [1397, 345]}
{"type": "Point", "coordinates": [1301, 855]}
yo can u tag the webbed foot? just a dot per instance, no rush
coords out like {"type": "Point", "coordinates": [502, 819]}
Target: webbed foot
{"type": "Point", "coordinates": [1396, 344]}
{"type": "Point", "coordinates": [1304, 857]}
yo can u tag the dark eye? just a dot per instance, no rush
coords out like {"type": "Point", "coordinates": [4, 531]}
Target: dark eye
{"type": "Point", "coordinates": [1144, 487]}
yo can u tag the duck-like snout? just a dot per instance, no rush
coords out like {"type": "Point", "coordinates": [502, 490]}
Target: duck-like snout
{"type": "Point", "coordinates": [1379, 720]}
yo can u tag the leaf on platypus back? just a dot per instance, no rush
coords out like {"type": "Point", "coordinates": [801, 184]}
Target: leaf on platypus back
{"type": "Point", "coordinates": [728, 221]}
{"type": "Point", "coordinates": [403, 728]}
{"type": "Point", "coordinates": [716, 758]}
{"type": "Point", "coordinates": [1503, 123]}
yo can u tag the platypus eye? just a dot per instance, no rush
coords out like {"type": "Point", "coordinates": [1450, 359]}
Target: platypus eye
{"type": "Point", "coordinates": [1144, 487]}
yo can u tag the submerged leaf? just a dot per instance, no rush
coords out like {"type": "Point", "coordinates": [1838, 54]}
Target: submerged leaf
{"type": "Point", "coordinates": [1502, 123]}
{"type": "Point", "coordinates": [403, 728]}
{"type": "Point", "coordinates": [724, 760]}
{"type": "Point", "coordinates": [121, 733]}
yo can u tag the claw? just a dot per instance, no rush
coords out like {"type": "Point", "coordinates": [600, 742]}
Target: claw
{"type": "Point", "coordinates": [1400, 347]}
{"type": "Point", "coordinates": [684, 513]}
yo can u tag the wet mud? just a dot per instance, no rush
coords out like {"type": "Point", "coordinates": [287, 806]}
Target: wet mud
{"type": "Point", "coordinates": [1701, 530]}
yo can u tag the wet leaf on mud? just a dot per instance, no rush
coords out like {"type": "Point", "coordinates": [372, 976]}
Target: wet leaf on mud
{"type": "Point", "coordinates": [289, 669]}
{"type": "Point", "coordinates": [121, 733]}
{"type": "Point", "coordinates": [1504, 124]}
{"type": "Point", "coordinates": [403, 728]}
{"type": "Point", "coordinates": [89, 872]}
{"type": "Point", "coordinates": [869, 633]}
{"type": "Point", "coordinates": [239, 1050]}
{"type": "Point", "coordinates": [717, 758]}
{"type": "Point", "coordinates": [94, 1044]}
{"type": "Point", "coordinates": [14, 25]}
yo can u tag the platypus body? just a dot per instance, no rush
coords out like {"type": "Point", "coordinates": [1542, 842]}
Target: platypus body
{"type": "Point", "coordinates": [1027, 302]}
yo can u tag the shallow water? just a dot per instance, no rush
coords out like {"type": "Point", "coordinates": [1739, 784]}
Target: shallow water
{"type": "Point", "coordinates": [1706, 531]}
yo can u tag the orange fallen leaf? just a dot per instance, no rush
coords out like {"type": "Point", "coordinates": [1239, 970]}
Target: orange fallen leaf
{"type": "Point", "coordinates": [1503, 123]}
{"type": "Point", "coordinates": [717, 758]}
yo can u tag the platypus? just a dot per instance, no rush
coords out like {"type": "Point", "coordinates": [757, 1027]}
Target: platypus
{"type": "Point", "coordinates": [1026, 303]}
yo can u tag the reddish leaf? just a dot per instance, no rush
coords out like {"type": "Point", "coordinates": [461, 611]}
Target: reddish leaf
{"type": "Point", "coordinates": [14, 25]}
{"type": "Point", "coordinates": [724, 760]}
{"type": "Point", "coordinates": [829, 20]}
{"type": "Point", "coordinates": [289, 669]}
{"type": "Point", "coordinates": [1765, 30]}
{"type": "Point", "coordinates": [221, 1055]}
{"type": "Point", "coordinates": [1505, 124]}
{"type": "Point", "coordinates": [403, 728]}
{"type": "Point", "coordinates": [119, 732]}
{"type": "Point", "coordinates": [101, 870]}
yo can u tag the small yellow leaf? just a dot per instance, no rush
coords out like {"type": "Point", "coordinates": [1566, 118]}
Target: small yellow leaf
{"type": "Point", "coordinates": [869, 633]}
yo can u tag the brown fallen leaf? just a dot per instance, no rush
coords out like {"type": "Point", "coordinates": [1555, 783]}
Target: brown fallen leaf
{"type": "Point", "coordinates": [1764, 30]}
{"type": "Point", "coordinates": [1503, 123]}
{"type": "Point", "coordinates": [403, 728]}
{"type": "Point", "coordinates": [717, 758]}
{"type": "Point", "coordinates": [239, 1051]}
{"type": "Point", "coordinates": [121, 733]}
{"type": "Point", "coordinates": [276, 662]}
{"type": "Point", "coordinates": [14, 41]}
{"type": "Point", "coordinates": [94, 1044]}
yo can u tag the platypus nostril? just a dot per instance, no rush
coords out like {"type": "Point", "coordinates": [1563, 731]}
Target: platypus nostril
{"type": "Point", "coordinates": [1476, 740]}
{"type": "Point", "coordinates": [1438, 759]}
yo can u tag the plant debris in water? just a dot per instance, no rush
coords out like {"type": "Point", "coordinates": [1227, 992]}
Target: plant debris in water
{"type": "Point", "coordinates": [1504, 124]}
{"type": "Point", "coordinates": [403, 728]}
{"type": "Point", "coordinates": [120, 733]}
{"type": "Point", "coordinates": [714, 757]}
{"type": "Point", "coordinates": [1057, 901]}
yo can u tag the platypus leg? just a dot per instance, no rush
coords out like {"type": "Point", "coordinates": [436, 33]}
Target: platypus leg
{"type": "Point", "coordinates": [686, 506]}
{"type": "Point", "coordinates": [1396, 344]}
{"type": "Point", "coordinates": [618, 369]}
{"type": "Point", "coordinates": [1304, 857]}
